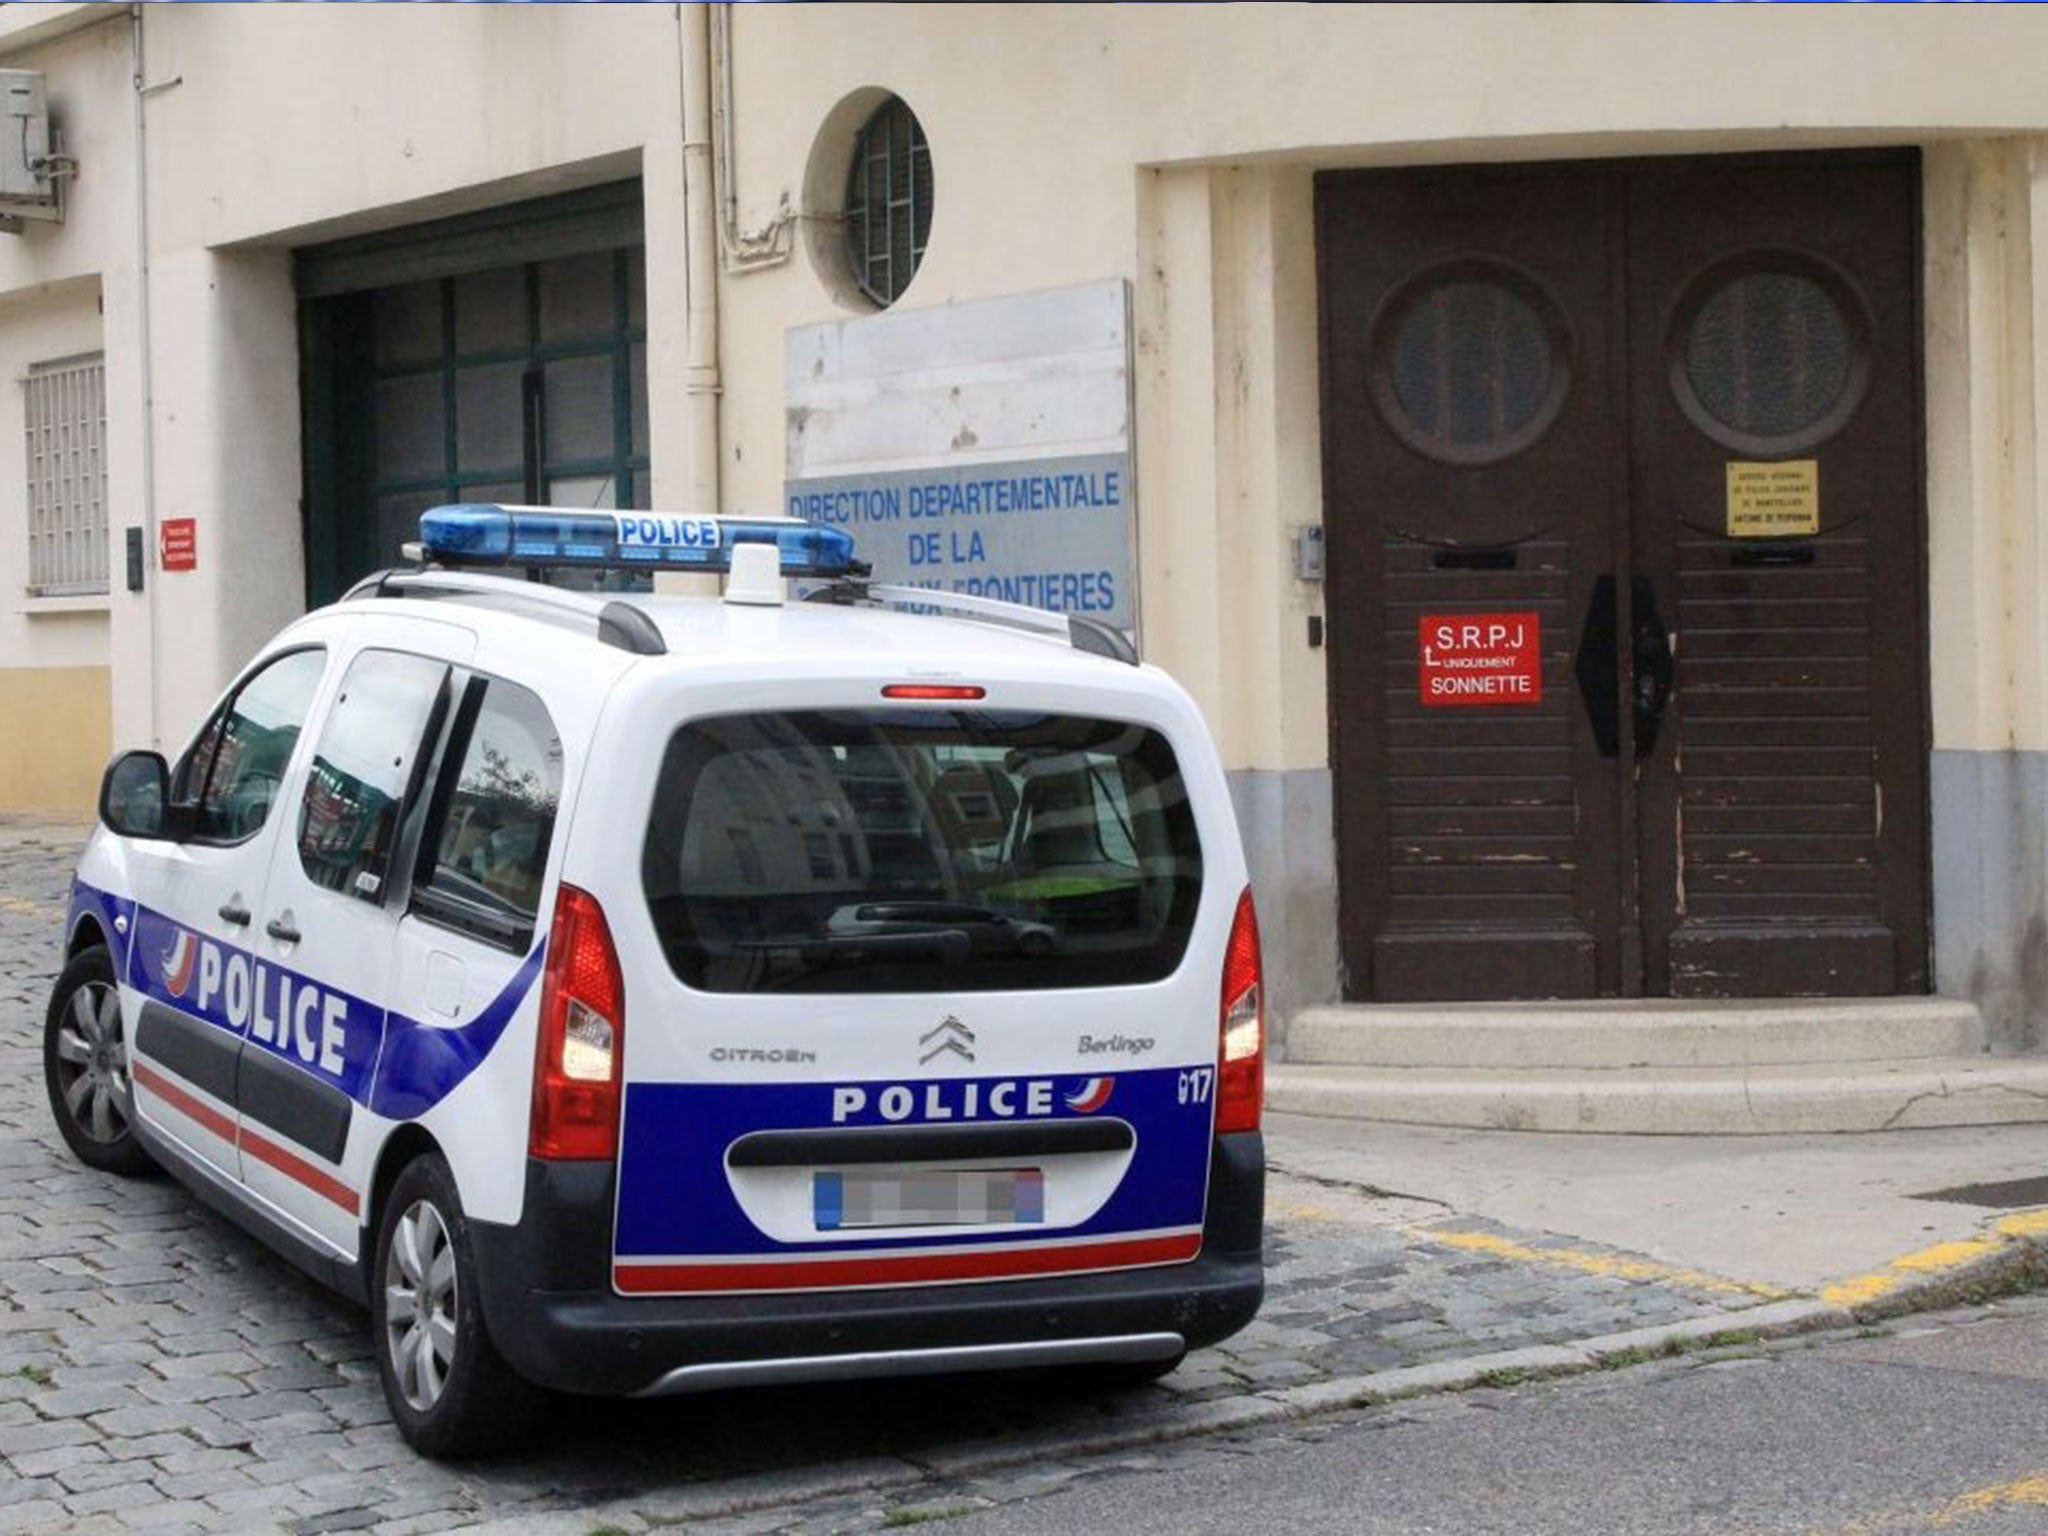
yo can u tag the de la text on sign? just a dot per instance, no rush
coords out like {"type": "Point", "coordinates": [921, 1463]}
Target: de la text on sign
{"type": "Point", "coordinates": [1481, 659]}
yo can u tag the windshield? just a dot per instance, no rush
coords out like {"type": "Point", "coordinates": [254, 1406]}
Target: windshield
{"type": "Point", "coordinates": [920, 850]}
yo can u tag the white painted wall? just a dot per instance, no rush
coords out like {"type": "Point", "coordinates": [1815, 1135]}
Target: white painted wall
{"type": "Point", "coordinates": [267, 128]}
{"type": "Point", "coordinates": [1167, 146]}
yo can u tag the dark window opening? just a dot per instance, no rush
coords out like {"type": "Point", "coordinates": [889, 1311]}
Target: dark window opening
{"type": "Point", "coordinates": [231, 774]}
{"type": "Point", "coordinates": [484, 858]}
{"type": "Point", "coordinates": [363, 771]}
{"type": "Point", "coordinates": [917, 851]}
{"type": "Point", "coordinates": [497, 358]}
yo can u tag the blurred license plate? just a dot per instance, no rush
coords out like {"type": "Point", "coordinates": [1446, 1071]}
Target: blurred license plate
{"type": "Point", "coordinates": [944, 1197]}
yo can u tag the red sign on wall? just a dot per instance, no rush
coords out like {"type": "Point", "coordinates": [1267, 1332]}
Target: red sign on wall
{"type": "Point", "coordinates": [178, 544]}
{"type": "Point", "coordinates": [1481, 658]}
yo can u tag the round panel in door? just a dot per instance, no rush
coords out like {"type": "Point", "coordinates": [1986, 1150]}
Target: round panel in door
{"type": "Point", "coordinates": [1768, 353]}
{"type": "Point", "coordinates": [1469, 364]}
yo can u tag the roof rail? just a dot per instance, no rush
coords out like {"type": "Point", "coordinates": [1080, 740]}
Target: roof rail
{"type": "Point", "coordinates": [619, 625]}
{"type": "Point", "coordinates": [1090, 635]}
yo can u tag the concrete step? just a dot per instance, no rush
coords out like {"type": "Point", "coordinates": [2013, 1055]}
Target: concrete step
{"type": "Point", "coordinates": [1617, 1033]}
{"type": "Point", "coordinates": [1721, 1100]}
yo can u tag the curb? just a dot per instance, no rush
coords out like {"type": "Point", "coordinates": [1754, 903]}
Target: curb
{"type": "Point", "coordinates": [1181, 1422]}
{"type": "Point", "coordinates": [2012, 1256]}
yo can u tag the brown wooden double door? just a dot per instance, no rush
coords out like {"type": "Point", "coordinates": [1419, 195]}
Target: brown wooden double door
{"type": "Point", "coordinates": [1658, 422]}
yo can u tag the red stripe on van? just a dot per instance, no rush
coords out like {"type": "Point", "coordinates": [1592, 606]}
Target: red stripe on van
{"type": "Point", "coordinates": [907, 1269]}
{"type": "Point", "coordinates": [187, 1104]}
{"type": "Point", "coordinates": [299, 1171]}
{"type": "Point", "coordinates": [293, 1167]}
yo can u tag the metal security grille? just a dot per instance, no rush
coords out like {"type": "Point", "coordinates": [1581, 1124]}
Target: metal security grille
{"type": "Point", "coordinates": [67, 476]}
{"type": "Point", "coordinates": [888, 202]}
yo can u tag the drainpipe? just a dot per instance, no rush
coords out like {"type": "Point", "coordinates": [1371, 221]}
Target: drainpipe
{"type": "Point", "coordinates": [700, 224]}
{"type": "Point", "coordinates": [774, 242]}
{"type": "Point", "coordinates": [152, 572]}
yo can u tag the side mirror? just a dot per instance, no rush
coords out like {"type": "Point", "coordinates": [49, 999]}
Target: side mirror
{"type": "Point", "coordinates": [134, 794]}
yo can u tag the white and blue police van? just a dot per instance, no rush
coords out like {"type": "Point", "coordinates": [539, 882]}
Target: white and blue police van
{"type": "Point", "coordinates": [642, 994]}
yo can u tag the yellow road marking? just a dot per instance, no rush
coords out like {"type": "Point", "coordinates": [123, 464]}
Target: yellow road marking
{"type": "Point", "coordinates": [1857, 1289]}
{"type": "Point", "coordinates": [1945, 1256]}
{"type": "Point", "coordinates": [21, 906]}
{"type": "Point", "coordinates": [2030, 1491]}
{"type": "Point", "coordinates": [1613, 1265]}
{"type": "Point", "coordinates": [2025, 1224]}
{"type": "Point", "coordinates": [2021, 1490]}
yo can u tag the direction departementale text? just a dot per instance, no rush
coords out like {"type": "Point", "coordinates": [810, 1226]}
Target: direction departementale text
{"type": "Point", "coordinates": [960, 498]}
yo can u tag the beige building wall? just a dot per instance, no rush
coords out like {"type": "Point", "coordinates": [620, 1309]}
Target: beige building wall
{"type": "Point", "coordinates": [55, 681]}
{"type": "Point", "coordinates": [1061, 138]}
{"type": "Point", "coordinates": [1070, 145]}
{"type": "Point", "coordinates": [262, 129]}
{"type": "Point", "coordinates": [1173, 148]}
{"type": "Point", "coordinates": [56, 674]}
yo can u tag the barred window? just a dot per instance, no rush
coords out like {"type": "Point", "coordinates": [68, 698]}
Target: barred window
{"type": "Point", "coordinates": [66, 411]}
{"type": "Point", "coordinates": [888, 202]}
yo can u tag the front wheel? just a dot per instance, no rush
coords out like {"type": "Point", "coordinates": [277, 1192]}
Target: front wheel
{"type": "Point", "coordinates": [85, 1066]}
{"type": "Point", "coordinates": [451, 1392]}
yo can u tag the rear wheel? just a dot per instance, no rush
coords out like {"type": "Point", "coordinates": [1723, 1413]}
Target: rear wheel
{"type": "Point", "coordinates": [85, 1066]}
{"type": "Point", "coordinates": [451, 1392]}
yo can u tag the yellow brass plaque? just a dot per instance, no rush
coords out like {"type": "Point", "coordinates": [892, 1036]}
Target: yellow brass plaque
{"type": "Point", "coordinates": [1773, 501]}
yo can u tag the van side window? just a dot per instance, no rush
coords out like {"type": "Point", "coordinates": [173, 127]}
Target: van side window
{"type": "Point", "coordinates": [488, 845]}
{"type": "Point", "coordinates": [364, 766]}
{"type": "Point", "coordinates": [230, 775]}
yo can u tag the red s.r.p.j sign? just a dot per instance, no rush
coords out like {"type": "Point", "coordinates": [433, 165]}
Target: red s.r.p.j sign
{"type": "Point", "coordinates": [1481, 659]}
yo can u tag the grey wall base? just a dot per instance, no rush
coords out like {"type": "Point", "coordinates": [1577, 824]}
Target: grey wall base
{"type": "Point", "coordinates": [1990, 895]}
{"type": "Point", "coordinates": [1290, 842]}
{"type": "Point", "coordinates": [1990, 835]}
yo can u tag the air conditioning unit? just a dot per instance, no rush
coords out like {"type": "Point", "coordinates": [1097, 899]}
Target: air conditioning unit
{"type": "Point", "coordinates": [32, 172]}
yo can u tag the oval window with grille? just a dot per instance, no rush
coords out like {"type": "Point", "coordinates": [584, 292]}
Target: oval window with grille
{"type": "Point", "coordinates": [888, 202]}
{"type": "Point", "coordinates": [1470, 362]}
{"type": "Point", "coordinates": [1769, 353]}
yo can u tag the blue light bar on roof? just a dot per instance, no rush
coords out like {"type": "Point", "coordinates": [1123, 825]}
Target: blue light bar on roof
{"type": "Point", "coordinates": [484, 533]}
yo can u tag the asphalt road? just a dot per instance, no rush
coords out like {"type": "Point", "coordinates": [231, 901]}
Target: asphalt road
{"type": "Point", "coordinates": [1935, 1425]}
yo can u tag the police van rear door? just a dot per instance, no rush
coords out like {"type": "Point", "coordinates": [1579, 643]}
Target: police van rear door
{"type": "Point", "coordinates": [922, 990]}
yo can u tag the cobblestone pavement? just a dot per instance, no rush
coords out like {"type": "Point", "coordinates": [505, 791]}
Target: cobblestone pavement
{"type": "Point", "coordinates": [160, 1371]}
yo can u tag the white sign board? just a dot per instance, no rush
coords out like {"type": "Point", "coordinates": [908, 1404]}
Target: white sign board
{"type": "Point", "coordinates": [980, 448]}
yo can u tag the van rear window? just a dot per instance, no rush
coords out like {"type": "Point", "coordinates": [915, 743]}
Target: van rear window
{"type": "Point", "coordinates": [920, 851]}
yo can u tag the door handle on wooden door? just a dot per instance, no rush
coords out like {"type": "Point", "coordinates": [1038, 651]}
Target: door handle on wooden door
{"type": "Point", "coordinates": [1652, 663]}
{"type": "Point", "coordinates": [1598, 669]}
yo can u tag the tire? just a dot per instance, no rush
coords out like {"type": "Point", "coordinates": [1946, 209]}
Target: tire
{"type": "Point", "coordinates": [85, 1067]}
{"type": "Point", "coordinates": [451, 1393]}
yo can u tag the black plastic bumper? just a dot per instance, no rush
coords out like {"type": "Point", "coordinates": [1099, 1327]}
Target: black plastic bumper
{"type": "Point", "coordinates": [550, 1308]}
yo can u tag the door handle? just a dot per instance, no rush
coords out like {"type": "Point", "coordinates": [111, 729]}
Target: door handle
{"type": "Point", "coordinates": [234, 914]}
{"type": "Point", "coordinates": [1597, 669]}
{"type": "Point", "coordinates": [280, 928]}
{"type": "Point", "coordinates": [1653, 664]}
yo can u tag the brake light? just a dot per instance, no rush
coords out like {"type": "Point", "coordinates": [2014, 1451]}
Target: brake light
{"type": "Point", "coordinates": [1241, 1047]}
{"type": "Point", "coordinates": [933, 691]}
{"type": "Point", "coordinates": [582, 1028]}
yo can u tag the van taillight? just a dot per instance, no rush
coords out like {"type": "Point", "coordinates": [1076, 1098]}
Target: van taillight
{"type": "Point", "coordinates": [1241, 1049]}
{"type": "Point", "coordinates": [582, 1032]}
